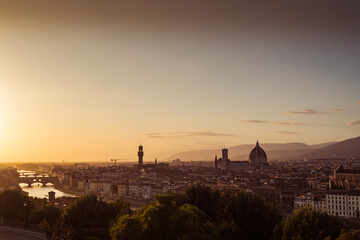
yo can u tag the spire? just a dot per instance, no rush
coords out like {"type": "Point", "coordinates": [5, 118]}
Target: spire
{"type": "Point", "coordinates": [257, 143]}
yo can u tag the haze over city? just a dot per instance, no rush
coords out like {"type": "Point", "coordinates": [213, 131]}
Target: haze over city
{"type": "Point", "coordinates": [85, 88]}
{"type": "Point", "coordinates": [179, 119]}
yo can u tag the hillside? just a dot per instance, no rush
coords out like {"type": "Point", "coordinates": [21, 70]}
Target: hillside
{"type": "Point", "coordinates": [241, 152]}
{"type": "Point", "coordinates": [344, 149]}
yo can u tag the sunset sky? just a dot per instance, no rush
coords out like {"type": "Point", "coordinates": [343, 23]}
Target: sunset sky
{"type": "Point", "coordinates": [94, 89]}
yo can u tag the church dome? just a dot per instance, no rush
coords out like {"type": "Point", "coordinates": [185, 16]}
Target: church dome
{"type": "Point", "coordinates": [257, 153]}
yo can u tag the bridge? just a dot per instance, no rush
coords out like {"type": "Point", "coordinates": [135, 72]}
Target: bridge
{"type": "Point", "coordinates": [39, 179]}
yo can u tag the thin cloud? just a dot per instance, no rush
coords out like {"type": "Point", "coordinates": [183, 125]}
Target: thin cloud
{"type": "Point", "coordinates": [277, 123]}
{"type": "Point", "coordinates": [287, 132]}
{"type": "Point", "coordinates": [354, 123]}
{"type": "Point", "coordinates": [337, 109]}
{"type": "Point", "coordinates": [188, 134]}
{"type": "Point", "coordinates": [288, 123]}
{"type": "Point", "coordinates": [305, 111]}
{"type": "Point", "coordinates": [253, 121]}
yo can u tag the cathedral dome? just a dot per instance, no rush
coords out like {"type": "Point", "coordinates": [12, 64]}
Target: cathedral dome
{"type": "Point", "coordinates": [257, 153]}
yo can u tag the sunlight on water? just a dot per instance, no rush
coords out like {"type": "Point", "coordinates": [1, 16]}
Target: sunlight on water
{"type": "Point", "coordinates": [37, 189]}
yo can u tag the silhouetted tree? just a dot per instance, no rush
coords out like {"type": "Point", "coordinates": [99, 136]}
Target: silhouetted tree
{"type": "Point", "coordinates": [237, 214]}
{"type": "Point", "coordinates": [350, 235]}
{"type": "Point", "coordinates": [49, 213]}
{"type": "Point", "coordinates": [90, 217]}
{"type": "Point", "coordinates": [57, 231]}
{"type": "Point", "coordinates": [12, 204]}
{"type": "Point", "coordinates": [308, 223]}
{"type": "Point", "coordinates": [164, 220]}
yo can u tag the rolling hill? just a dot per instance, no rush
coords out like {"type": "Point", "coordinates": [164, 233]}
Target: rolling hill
{"type": "Point", "coordinates": [275, 151]}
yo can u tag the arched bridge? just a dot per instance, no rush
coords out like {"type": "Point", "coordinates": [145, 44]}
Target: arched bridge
{"type": "Point", "coordinates": [38, 179]}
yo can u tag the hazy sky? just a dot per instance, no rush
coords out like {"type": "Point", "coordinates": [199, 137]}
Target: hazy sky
{"type": "Point", "coordinates": [78, 90]}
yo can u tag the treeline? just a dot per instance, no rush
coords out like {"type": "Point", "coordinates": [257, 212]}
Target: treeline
{"type": "Point", "coordinates": [200, 213]}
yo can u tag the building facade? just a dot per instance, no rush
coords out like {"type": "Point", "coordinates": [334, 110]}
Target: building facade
{"type": "Point", "coordinates": [347, 179]}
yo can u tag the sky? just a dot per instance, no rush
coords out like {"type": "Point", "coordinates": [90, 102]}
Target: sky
{"type": "Point", "coordinates": [92, 84]}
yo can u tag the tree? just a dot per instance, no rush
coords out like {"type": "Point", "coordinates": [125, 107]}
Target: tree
{"type": "Point", "coordinates": [127, 228]}
{"type": "Point", "coordinates": [237, 214]}
{"type": "Point", "coordinates": [351, 235]}
{"type": "Point", "coordinates": [12, 205]}
{"type": "Point", "coordinates": [307, 223]}
{"type": "Point", "coordinates": [90, 217]}
{"type": "Point", "coordinates": [164, 220]}
{"type": "Point", "coordinates": [203, 197]}
{"type": "Point", "coordinates": [49, 213]}
{"type": "Point", "coordinates": [57, 231]}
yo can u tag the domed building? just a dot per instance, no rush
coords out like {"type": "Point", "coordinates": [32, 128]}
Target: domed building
{"type": "Point", "coordinates": [257, 160]}
{"type": "Point", "coordinates": [258, 157]}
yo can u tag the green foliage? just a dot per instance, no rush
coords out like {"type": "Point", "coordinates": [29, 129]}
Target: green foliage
{"type": "Point", "coordinates": [12, 205]}
{"type": "Point", "coordinates": [203, 197]}
{"type": "Point", "coordinates": [49, 213]}
{"type": "Point", "coordinates": [235, 212]}
{"type": "Point", "coordinates": [164, 220]}
{"type": "Point", "coordinates": [350, 235]}
{"type": "Point", "coordinates": [90, 217]}
{"type": "Point", "coordinates": [307, 223]}
{"type": "Point", "coordinates": [57, 231]}
{"type": "Point", "coordinates": [127, 228]}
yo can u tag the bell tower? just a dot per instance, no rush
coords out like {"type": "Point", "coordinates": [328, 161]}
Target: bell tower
{"type": "Point", "coordinates": [140, 155]}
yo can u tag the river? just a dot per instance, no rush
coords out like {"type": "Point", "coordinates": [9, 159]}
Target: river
{"type": "Point", "coordinates": [39, 191]}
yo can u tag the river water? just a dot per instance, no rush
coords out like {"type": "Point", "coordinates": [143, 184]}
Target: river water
{"type": "Point", "coordinates": [38, 190]}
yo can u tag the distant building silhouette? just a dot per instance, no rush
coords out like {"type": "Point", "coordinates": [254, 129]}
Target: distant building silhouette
{"type": "Point", "coordinates": [141, 164]}
{"type": "Point", "coordinates": [257, 160]}
{"type": "Point", "coordinates": [140, 155]}
{"type": "Point", "coordinates": [51, 197]}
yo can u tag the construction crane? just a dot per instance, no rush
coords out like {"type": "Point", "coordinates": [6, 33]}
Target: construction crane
{"type": "Point", "coordinates": [114, 160]}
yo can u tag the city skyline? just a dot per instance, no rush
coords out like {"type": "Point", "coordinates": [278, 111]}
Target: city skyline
{"type": "Point", "coordinates": [95, 93]}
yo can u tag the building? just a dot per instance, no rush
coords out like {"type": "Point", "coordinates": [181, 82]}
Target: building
{"type": "Point", "coordinates": [134, 190]}
{"type": "Point", "coordinates": [343, 203]}
{"type": "Point", "coordinates": [141, 155]}
{"type": "Point", "coordinates": [107, 187]}
{"type": "Point", "coordinates": [258, 157]}
{"type": "Point", "coordinates": [123, 189]}
{"type": "Point", "coordinates": [141, 164]}
{"type": "Point", "coordinates": [257, 160]}
{"type": "Point", "coordinates": [51, 197]}
{"type": "Point", "coordinates": [310, 199]}
{"type": "Point", "coordinates": [347, 179]}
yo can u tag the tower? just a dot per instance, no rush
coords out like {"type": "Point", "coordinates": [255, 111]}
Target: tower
{"type": "Point", "coordinates": [216, 162]}
{"type": "Point", "coordinates": [140, 155]}
{"type": "Point", "coordinates": [225, 154]}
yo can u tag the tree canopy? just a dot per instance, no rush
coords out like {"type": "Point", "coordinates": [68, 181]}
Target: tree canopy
{"type": "Point", "coordinates": [89, 216]}
{"type": "Point", "coordinates": [12, 204]}
{"type": "Point", "coordinates": [236, 213]}
{"type": "Point", "coordinates": [164, 220]}
{"type": "Point", "coordinates": [308, 223]}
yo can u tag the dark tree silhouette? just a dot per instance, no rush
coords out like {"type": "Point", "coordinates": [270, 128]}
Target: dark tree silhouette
{"type": "Point", "coordinates": [12, 205]}
{"type": "Point", "coordinates": [308, 223]}
{"type": "Point", "coordinates": [164, 220]}
{"type": "Point", "coordinates": [90, 217]}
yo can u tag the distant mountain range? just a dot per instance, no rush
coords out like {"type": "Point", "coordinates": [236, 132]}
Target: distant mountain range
{"type": "Point", "coordinates": [280, 151]}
